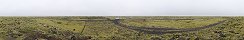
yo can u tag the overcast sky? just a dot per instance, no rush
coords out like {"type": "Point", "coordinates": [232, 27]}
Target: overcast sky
{"type": "Point", "coordinates": [120, 7]}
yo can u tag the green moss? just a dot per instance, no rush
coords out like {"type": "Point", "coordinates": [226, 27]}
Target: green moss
{"type": "Point", "coordinates": [172, 23]}
{"type": "Point", "coordinates": [75, 26]}
{"type": "Point", "coordinates": [66, 27]}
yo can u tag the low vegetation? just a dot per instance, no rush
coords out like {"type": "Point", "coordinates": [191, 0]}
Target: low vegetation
{"type": "Point", "coordinates": [127, 28]}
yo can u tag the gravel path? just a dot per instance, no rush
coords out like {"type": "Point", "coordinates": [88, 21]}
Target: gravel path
{"type": "Point", "coordinates": [163, 30]}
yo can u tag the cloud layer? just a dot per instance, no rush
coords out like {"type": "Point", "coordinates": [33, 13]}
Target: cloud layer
{"type": "Point", "coordinates": [120, 7]}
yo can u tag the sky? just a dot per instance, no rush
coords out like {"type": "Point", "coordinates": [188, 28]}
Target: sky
{"type": "Point", "coordinates": [121, 7]}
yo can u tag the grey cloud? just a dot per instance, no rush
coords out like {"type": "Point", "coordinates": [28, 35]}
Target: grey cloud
{"type": "Point", "coordinates": [120, 7]}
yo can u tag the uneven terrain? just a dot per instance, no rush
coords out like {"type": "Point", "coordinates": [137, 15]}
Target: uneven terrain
{"type": "Point", "coordinates": [122, 28]}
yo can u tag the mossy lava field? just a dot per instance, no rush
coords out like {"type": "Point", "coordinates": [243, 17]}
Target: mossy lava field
{"type": "Point", "coordinates": [121, 28]}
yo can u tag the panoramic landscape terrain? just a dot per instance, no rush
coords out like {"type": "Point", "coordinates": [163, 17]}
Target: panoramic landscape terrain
{"type": "Point", "coordinates": [121, 28]}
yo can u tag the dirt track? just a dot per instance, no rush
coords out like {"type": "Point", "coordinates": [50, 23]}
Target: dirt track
{"type": "Point", "coordinates": [163, 30]}
{"type": "Point", "coordinates": [149, 30]}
